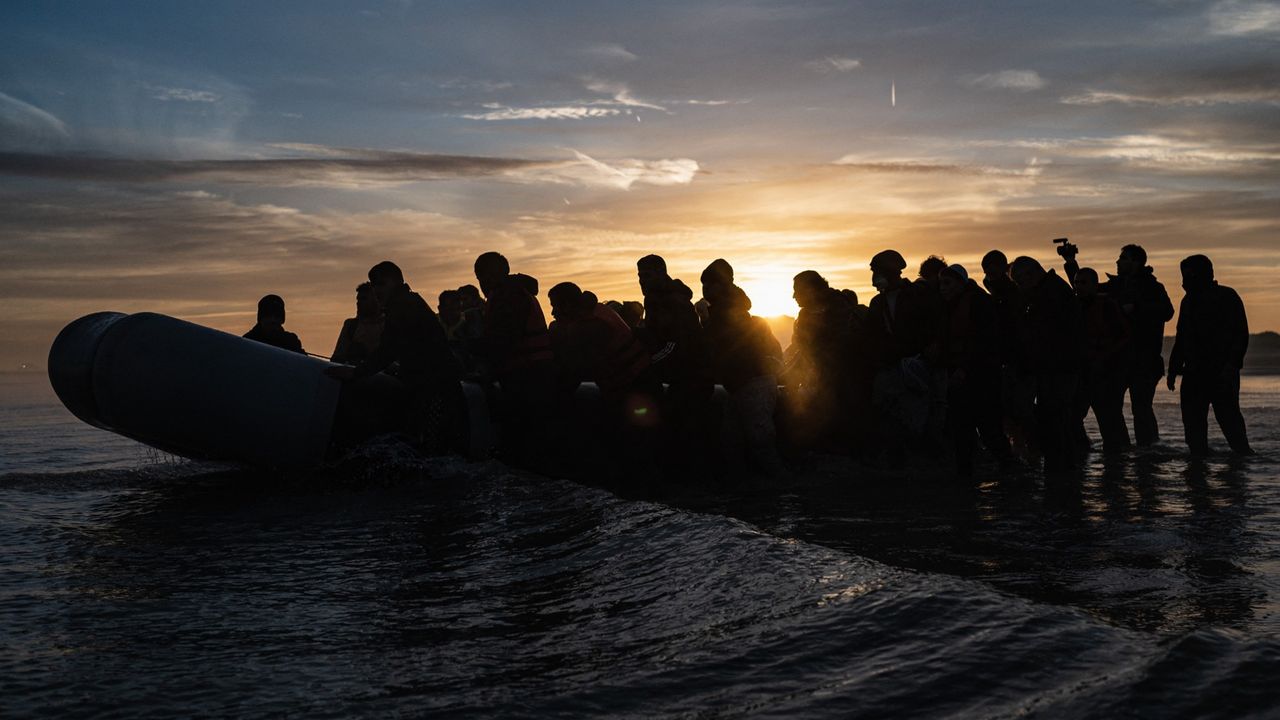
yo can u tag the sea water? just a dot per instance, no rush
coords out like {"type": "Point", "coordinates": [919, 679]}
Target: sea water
{"type": "Point", "coordinates": [136, 585]}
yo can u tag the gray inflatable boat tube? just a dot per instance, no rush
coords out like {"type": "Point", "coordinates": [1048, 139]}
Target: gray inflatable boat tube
{"type": "Point", "coordinates": [195, 391]}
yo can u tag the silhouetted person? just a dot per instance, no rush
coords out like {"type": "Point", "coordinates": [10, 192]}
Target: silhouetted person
{"type": "Point", "coordinates": [1147, 307]}
{"type": "Point", "coordinates": [1052, 336]}
{"type": "Point", "coordinates": [517, 349]}
{"type": "Point", "coordinates": [413, 348]}
{"type": "Point", "coordinates": [1208, 352]}
{"type": "Point", "coordinates": [678, 352]}
{"type": "Point", "coordinates": [903, 317]}
{"type": "Point", "coordinates": [969, 352]}
{"type": "Point", "coordinates": [632, 312]}
{"type": "Point", "coordinates": [1107, 357]}
{"type": "Point", "coordinates": [360, 335]}
{"type": "Point", "coordinates": [903, 322]}
{"type": "Point", "coordinates": [746, 358]}
{"type": "Point", "coordinates": [1017, 383]}
{"type": "Point", "coordinates": [930, 268]}
{"type": "Point", "coordinates": [592, 343]}
{"type": "Point", "coordinates": [270, 326]}
{"type": "Point", "coordinates": [818, 368]}
{"type": "Point", "coordinates": [458, 329]}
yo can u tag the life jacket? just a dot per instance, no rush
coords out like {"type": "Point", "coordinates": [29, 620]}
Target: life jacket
{"type": "Point", "coordinates": [625, 358]}
{"type": "Point", "coordinates": [534, 347]}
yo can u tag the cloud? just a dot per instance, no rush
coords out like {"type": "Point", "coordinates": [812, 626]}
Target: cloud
{"type": "Point", "coordinates": [169, 94]}
{"type": "Point", "coordinates": [832, 63]}
{"type": "Point", "coordinates": [1243, 96]}
{"type": "Point", "coordinates": [622, 174]}
{"type": "Point", "coordinates": [557, 112]}
{"type": "Point", "coordinates": [621, 94]}
{"type": "Point", "coordinates": [349, 168]}
{"type": "Point", "coordinates": [23, 124]}
{"type": "Point", "coordinates": [1019, 80]}
{"type": "Point", "coordinates": [1244, 17]}
{"type": "Point", "coordinates": [339, 168]}
{"type": "Point", "coordinates": [611, 51]}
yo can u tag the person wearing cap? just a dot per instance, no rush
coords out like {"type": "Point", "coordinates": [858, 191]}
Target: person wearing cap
{"type": "Point", "coordinates": [903, 320]}
{"type": "Point", "coordinates": [969, 353]}
{"type": "Point", "coordinates": [903, 323]}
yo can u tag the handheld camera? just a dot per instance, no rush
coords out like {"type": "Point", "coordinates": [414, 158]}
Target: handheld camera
{"type": "Point", "coordinates": [1065, 248]}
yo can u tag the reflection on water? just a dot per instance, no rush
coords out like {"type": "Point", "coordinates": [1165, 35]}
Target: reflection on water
{"type": "Point", "coordinates": [416, 587]}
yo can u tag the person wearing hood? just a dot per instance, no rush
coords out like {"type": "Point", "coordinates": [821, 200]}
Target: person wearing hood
{"type": "Point", "coordinates": [818, 369]}
{"type": "Point", "coordinates": [1053, 339]}
{"type": "Point", "coordinates": [1208, 353]}
{"type": "Point", "coordinates": [969, 353]}
{"type": "Point", "coordinates": [746, 359]}
{"type": "Point", "coordinates": [1147, 307]}
{"type": "Point", "coordinates": [678, 356]}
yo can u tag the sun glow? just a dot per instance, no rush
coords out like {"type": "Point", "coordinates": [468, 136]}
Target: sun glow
{"type": "Point", "coordinates": [770, 295]}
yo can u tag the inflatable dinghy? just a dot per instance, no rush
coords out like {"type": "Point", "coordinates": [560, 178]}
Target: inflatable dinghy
{"type": "Point", "coordinates": [204, 394]}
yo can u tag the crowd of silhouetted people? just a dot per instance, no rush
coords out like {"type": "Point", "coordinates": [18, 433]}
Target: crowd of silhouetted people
{"type": "Point", "coordinates": [938, 366]}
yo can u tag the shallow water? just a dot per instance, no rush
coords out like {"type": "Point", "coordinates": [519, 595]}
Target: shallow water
{"type": "Point", "coordinates": [136, 586]}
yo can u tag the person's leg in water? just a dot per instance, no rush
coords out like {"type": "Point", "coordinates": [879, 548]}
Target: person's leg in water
{"type": "Point", "coordinates": [1144, 377]}
{"type": "Point", "coordinates": [1226, 410]}
{"type": "Point", "coordinates": [1195, 397]}
{"type": "Point", "coordinates": [754, 404]}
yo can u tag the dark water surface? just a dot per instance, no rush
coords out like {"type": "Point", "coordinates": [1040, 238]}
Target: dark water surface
{"type": "Point", "coordinates": [131, 586]}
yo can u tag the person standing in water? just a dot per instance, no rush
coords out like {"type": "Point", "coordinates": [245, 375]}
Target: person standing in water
{"type": "Point", "coordinates": [1213, 335]}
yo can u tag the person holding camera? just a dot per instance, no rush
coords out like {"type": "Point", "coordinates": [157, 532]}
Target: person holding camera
{"type": "Point", "coordinates": [1147, 307]}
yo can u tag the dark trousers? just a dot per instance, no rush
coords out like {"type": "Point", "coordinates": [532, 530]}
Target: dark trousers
{"type": "Point", "coordinates": [1222, 391]}
{"type": "Point", "coordinates": [974, 404]}
{"type": "Point", "coordinates": [1055, 420]}
{"type": "Point", "coordinates": [1144, 378]}
{"type": "Point", "coordinates": [1102, 389]}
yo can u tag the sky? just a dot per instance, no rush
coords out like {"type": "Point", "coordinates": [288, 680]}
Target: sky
{"type": "Point", "coordinates": [187, 158]}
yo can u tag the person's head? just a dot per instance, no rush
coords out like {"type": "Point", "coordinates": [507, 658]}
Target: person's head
{"type": "Point", "coordinates": [886, 268]}
{"type": "Point", "coordinates": [491, 269]}
{"type": "Point", "coordinates": [366, 301]}
{"type": "Point", "coordinates": [651, 270]}
{"type": "Point", "coordinates": [450, 307]}
{"type": "Point", "coordinates": [385, 278]}
{"type": "Point", "coordinates": [1197, 273]}
{"type": "Point", "coordinates": [1086, 283]}
{"type": "Point", "coordinates": [1132, 259]}
{"type": "Point", "coordinates": [1026, 272]}
{"type": "Point", "coordinates": [528, 282]}
{"type": "Point", "coordinates": [567, 302]}
{"type": "Point", "coordinates": [952, 280]}
{"type": "Point", "coordinates": [271, 310]}
{"type": "Point", "coordinates": [930, 268]}
{"type": "Point", "coordinates": [850, 296]}
{"type": "Point", "coordinates": [807, 287]}
{"type": "Point", "coordinates": [469, 297]}
{"type": "Point", "coordinates": [633, 313]}
{"type": "Point", "coordinates": [719, 271]}
{"type": "Point", "coordinates": [995, 263]}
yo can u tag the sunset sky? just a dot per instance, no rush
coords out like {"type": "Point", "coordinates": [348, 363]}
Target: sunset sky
{"type": "Point", "coordinates": [187, 158]}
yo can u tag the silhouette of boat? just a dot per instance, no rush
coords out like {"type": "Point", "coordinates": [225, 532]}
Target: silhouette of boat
{"type": "Point", "coordinates": [204, 394]}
